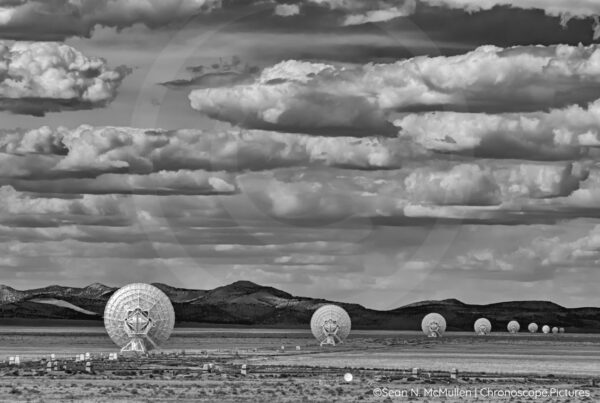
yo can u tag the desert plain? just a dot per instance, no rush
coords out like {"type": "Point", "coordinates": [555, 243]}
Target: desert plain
{"type": "Point", "coordinates": [287, 365]}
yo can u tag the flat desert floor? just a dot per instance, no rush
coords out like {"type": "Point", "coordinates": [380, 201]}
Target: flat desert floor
{"type": "Point", "coordinates": [287, 366]}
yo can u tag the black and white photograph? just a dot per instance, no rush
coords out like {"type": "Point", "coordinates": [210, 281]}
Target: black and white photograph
{"type": "Point", "coordinates": [299, 201]}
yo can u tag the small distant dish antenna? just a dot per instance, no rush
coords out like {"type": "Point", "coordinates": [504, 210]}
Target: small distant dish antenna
{"type": "Point", "coordinates": [513, 327]}
{"type": "Point", "coordinates": [546, 329]}
{"type": "Point", "coordinates": [533, 327]}
{"type": "Point", "coordinates": [561, 330]}
{"type": "Point", "coordinates": [433, 325]}
{"type": "Point", "coordinates": [555, 330]}
{"type": "Point", "coordinates": [330, 324]}
{"type": "Point", "coordinates": [483, 326]}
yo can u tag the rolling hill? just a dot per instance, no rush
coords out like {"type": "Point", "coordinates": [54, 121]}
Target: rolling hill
{"type": "Point", "coordinates": [246, 303]}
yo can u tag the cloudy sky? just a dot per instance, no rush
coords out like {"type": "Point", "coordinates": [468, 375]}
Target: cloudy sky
{"type": "Point", "coordinates": [379, 152]}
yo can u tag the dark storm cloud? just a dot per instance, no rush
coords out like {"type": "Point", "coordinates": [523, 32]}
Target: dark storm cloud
{"type": "Point", "coordinates": [501, 23]}
{"type": "Point", "coordinates": [500, 26]}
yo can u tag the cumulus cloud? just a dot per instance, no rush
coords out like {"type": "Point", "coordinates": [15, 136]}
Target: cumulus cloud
{"type": "Point", "coordinates": [382, 11]}
{"type": "Point", "coordinates": [315, 97]}
{"type": "Point", "coordinates": [540, 258]}
{"type": "Point", "coordinates": [287, 10]}
{"type": "Point", "coordinates": [560, 134]}
{"type": "Point", "coordinates": [491, 193]}
{"type": "Point", "coordinates": [288, 97]}
{"type": "Point", "coordinates": [59, 19]}
{"type": "Point", "coordinates": [157, 183]}
{"type": "Point", "coordinates": [386, 179]}
{"type": "Point", "coordinates": [21, 209]}
{"type": "Point", "coordinates": [89, 151]}
{"type": "Point", "coordinates": [362, 12]}
{"type": "Point", "coordinates": [377, 16]}
{"type": "Point", "coordinates": [554, 251]}
{"type": "Point", "coordinates": [462, 185]}
{"type": "Point", "coordinates": [40, 77]}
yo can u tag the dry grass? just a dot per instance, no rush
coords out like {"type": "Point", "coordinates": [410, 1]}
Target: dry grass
{"type": "Point", "coordinates": [312, 374]}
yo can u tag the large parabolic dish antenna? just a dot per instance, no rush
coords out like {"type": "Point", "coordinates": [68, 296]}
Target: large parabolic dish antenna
{"type": "Point", "coordinates": [546, 329]}
{"type": "Point", "coordinates": [433, 325]}
{"type": "Point", "coordinates": [330, 324]}
{"type": "Point", "coordinates": [533, 327]}
{"type": "Point", "coordinates": [483, 326]}
{"type": "Point", "coordinates": [139, 317]}
{"type": "Point", "coordinates": [513, 326]}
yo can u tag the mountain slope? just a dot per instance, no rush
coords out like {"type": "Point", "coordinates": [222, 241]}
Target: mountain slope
{"type": "Point", "coordinates": [247, 303]}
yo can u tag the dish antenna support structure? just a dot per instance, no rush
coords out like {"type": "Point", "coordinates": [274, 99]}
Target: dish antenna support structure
{"type": "Point", "coordinates": [513, 327]}
{"type": "Point", "coordinates": [483, 327]}
{"type": "Point", "coordinates": [139, 317]}
{"type": "Point", "coordinates": [433, 325]}
{"type": "Point", "coordinates": [330, 324]}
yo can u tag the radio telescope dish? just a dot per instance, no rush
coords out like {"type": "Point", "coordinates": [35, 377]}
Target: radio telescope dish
{"type": "Point", "coordinates": [555, 330]}
{"type": "Point", "coordinates": [561, 330]}
{"type": "Point", "coordinates": [139, 317]}
{"type": "Point", "coordinates": [483, 326]}
{"type": "Point", "coordinates": [533, 327]}
{"type": "Point", "coordinates": [330, 324]}
{"type": "Point", "coordinates": [546, 329]}
{"type": "Point", "coordinates": [433, 325]}
{"type": "Point", "coordinates": [513, 326]}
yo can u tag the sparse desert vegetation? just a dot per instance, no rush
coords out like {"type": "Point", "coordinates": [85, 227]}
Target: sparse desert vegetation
{"type": "Point", "coordinates": [205, 365]}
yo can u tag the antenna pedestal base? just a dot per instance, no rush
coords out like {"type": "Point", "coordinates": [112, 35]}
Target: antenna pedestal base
{"type": "Point", "coordinates": [135, 346]}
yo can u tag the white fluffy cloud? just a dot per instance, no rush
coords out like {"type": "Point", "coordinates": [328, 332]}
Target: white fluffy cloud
{"type": "Point", "coordinates": [362, 12]}
{"type": "Point", "coordinates": [287, 10]}
{"type": "Point", "coordinates": [21, 209]}
{"type": "Point", "coordinates": [62, 152]}
{"type": "Point", "coordinates": [464, 184]}
{"type": "Point", "coordinates": [381, 11]}
{"type": "Point", "coordinates": [538, 258]}
{"type": "Point", "coordinates": [157, 183]}
{"type": "Point", "coordinates": [39, 77]}
{"type": "Point", "coordinates": [560, 134]}
{"type": "Point", "coordinates": [58, 19]}
{"type": "Point", "coordinates": [312, 97]}
{"type": "Point", "coordinates": [486, 193]}
{"type": "Point", "coordinates": [378, 15]}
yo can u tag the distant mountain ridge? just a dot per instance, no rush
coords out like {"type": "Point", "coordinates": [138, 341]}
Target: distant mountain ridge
{"type": "Point", "coordinates": [247, 303]}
